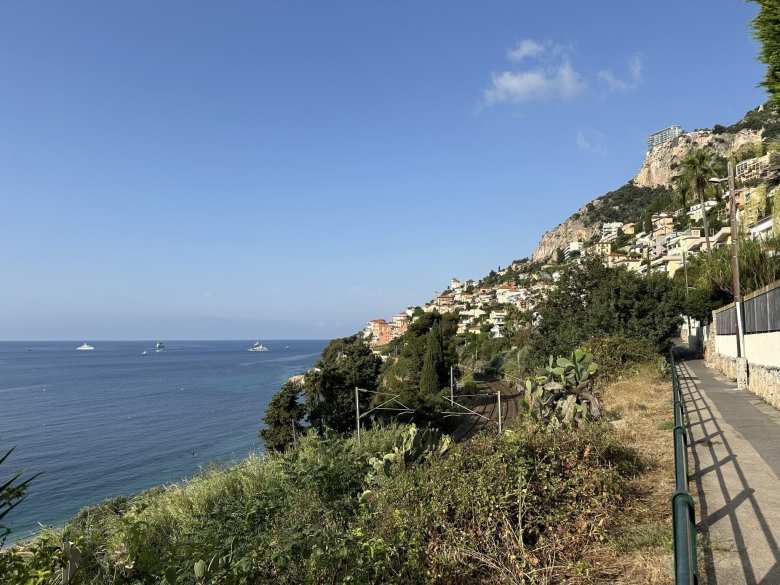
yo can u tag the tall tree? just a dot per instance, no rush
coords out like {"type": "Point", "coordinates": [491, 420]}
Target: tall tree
{"type": "Point", "coordinates": [330, 387]}
{"type": "Point", "coordinates": [283, 418]}
{"type": "Point", "coordinates": [696, 169]}
{"type": "Point", "coordinates": [433, 363]}
{"type": "Point", "coordinates": [766, 26]}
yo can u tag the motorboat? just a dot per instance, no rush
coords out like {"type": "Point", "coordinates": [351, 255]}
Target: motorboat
{"type": "Point", "coordinates": [159, 347]}
{"type": "Point", "coordinates": [85, 347]}
{"type": "Point", "coordinates": [258, 347]}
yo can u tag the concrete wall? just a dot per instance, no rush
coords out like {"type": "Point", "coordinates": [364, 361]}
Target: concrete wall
{"type": "Point", "coordinates": [726, 345]}
{"type": "Point", "coordinates": [762, 351]}
{"type": "Point", "coordinates": [760, 348]}
{"type": "Point", "coordinates": [763, 348]}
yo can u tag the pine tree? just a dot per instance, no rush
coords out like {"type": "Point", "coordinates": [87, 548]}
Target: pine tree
{"type": "Point", "coordinates": [283, 418]}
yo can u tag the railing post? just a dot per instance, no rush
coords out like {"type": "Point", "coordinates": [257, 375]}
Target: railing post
{"type": "Point", "coordinates": [683, 511]}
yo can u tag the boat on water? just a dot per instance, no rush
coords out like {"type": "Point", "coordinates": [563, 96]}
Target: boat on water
{"type": "Point", "coordinates": [159, 347]}
{"type": "Point", "coordinates": [144, 352]}
{"type": "Point", "coordinates": [258, 347]}
{"type": "Point", "coordinates": [85, 347]}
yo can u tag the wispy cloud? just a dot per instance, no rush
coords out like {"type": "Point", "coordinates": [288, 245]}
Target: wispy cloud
{"type": "Point", "coordinates": [592, 142]}
{"type": "Point", "coordinates": [615, 83]}
{"type": "Point", "coordinates": [518, 86]}
{"type": "Point", "coordinates": [525, 49]}
{"type": "Point", "coordinates": [550, 76]}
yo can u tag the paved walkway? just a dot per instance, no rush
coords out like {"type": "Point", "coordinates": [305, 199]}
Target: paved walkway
{"type": "Point", "coordinates": [735, 462]}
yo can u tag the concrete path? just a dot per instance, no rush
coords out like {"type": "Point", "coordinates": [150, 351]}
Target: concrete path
{"type": "Point", "coordinates": [735, 465]}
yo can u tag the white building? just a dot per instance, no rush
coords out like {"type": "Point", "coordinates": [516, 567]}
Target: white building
{"type": "Point", "coordinates": [610, 230]}
{"type": "Point", "coordinates": [761, 229]}
{"type": "Point", "coordinates": [663, 136]}
{"type": "Point", "coordinates": [695, 210]}
{"type": "Point", "coordinates": [572, 248]}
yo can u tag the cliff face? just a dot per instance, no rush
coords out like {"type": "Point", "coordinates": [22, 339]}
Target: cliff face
{"type": "Point", "coordinates": [660, 164]}
{"type": "Point", "coordinates": [561, 235]}
{"type": "Point", "coordinates": [657, 170]}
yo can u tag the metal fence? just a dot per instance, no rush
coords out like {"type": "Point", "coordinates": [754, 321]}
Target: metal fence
{"type": "Point", "coordinates": [683, 513]}
{"type": "Point", "coordinates": [761, 314]}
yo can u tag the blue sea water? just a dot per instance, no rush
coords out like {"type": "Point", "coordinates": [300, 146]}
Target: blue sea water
{"type": "Point", "coordinates": [113, 422]}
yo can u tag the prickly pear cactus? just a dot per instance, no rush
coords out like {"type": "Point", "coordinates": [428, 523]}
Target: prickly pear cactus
{"type": "Point", "coordinates": [563, 394]}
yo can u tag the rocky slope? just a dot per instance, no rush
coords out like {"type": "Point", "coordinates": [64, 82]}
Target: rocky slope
{"type": "Point", "coordinates": [656, 171]}
{"type": "Point", "coordinates": [659, 165]}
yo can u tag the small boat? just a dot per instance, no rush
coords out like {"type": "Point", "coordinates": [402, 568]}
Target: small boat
{"type": "Point", "coordinates": [159, 347]}
{"type": "Point", "coordinates": [258, 347]}
{"type": "Point", "coordinates": [85, 347]}
{"type": "Point", "coordinates": [144, 352]}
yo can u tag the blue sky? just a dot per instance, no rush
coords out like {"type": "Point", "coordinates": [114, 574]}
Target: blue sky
{"type": "Point", "coordinates": [292, 169]}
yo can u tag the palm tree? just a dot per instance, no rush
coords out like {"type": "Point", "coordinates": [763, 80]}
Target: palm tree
{"type": "Point", "coordinates": [695, 171]}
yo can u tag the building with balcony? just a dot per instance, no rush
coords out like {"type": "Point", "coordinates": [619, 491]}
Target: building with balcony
{"type": "Point", "coordinates": [609, 231]}
{"type": "Point", "coordinates": [663, 136]}
{"type": "Point", "coordinates": [572, 249]}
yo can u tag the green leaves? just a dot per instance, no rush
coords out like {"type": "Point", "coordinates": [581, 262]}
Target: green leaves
{"type": "Point", "coordinates": [564, 396]}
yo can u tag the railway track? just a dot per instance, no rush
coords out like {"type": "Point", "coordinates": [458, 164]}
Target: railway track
{"type": "Point", "coordinates": [488, 408]}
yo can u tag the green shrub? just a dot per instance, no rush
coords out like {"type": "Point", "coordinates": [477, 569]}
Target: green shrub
{"type": "Point", "coordinates": [615, 353]}
{"type": "Point", "coordinates": [403, 506]}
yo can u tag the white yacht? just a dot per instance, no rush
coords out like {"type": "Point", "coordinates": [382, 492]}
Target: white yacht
{"type": "Point", "coordinates": [258, 347]}
{"type": "Point", "coordinates": [85, 347]}
{"type": "Point", "coordinates": [159, 347]}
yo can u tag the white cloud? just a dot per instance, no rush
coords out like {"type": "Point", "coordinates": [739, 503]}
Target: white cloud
{"type": "Point", "coordinates": [614, 83]}
{"type": "Point", "coordinates": [518, 86]}
{"type": "Point", "coordinates": [592, 142]}
{"type": "Point", "coordinates": [525, 49]}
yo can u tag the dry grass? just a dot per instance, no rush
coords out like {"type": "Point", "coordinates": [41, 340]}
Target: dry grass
{"type": "Point", "coordinates": [639, 544]}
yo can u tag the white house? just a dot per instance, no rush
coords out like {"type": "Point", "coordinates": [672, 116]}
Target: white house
{"type": "Point", "coordinates": [695, 210]}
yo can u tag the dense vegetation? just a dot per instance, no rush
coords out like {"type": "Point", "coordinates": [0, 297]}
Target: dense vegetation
{"type": "Point", "coordinates": [403, 506]}
{"type": "Point", "coordinates": [625, 204]}
{"type": "Point", "coordinates": [325, 398]}
{"type": "Point", "coordinates": [710, 276]}
{"type": "Point", "coordinates": [767, 30]}
{"type": "Point", "coordinates": [592, 300]}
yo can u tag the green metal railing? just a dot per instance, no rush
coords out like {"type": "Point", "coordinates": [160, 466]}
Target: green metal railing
{"type": "Point", "coordinates": [683, 513]}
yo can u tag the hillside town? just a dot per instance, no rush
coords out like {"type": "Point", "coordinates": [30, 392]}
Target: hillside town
{"type": "Point", "coordinates": [662, 242]}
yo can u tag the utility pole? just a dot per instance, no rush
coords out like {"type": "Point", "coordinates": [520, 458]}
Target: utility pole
{"type": "Point", "coordinates": [357, 414]}
{"type": "Point", "coordinates": [452, 388]}
{"type": "Point", "coordinates": [685, 271]}
{"type": "Point", "coordinates": [735, 261]}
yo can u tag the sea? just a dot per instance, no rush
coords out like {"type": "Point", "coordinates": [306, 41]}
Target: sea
{"type": "Point", "coordinates": [116, 421]}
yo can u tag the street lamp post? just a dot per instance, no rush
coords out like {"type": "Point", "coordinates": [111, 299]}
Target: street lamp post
{"type": "Point", "coordinates": [737, 290]}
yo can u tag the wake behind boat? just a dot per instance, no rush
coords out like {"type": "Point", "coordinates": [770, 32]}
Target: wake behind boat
{"type": "Point", "coordinates": [258, 347]}
{"type": "Point", "coordinates": [85, 347]}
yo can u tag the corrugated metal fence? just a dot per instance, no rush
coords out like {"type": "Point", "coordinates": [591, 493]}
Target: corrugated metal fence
{"type": "Point", "coordinates": [761, 313]}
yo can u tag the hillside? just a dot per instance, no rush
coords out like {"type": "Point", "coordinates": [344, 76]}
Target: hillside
{"type": "Point", "coordinates": [654, 178]}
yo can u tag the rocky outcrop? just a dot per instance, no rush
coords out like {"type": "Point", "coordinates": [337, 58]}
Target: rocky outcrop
{"type": "Point", "coordinates": [657, 170]}
{"type": "Point", "coordinates": [558, 237]}
{"type": "Point", "coordinates": [660, 164]}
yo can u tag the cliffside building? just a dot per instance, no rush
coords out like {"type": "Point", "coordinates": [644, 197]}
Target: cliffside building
{"type": "Point", "coordinates": [609, 231]}
{"type": "Point", "coordinates": [663, 136]}
{"type": "Point", "coordinates": [378, 332]}
{"type": "Point", "coordinates": [572, 249]}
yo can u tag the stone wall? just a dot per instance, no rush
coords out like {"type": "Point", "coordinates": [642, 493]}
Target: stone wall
{"type": "Point", "coordinates": [765, 383]}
